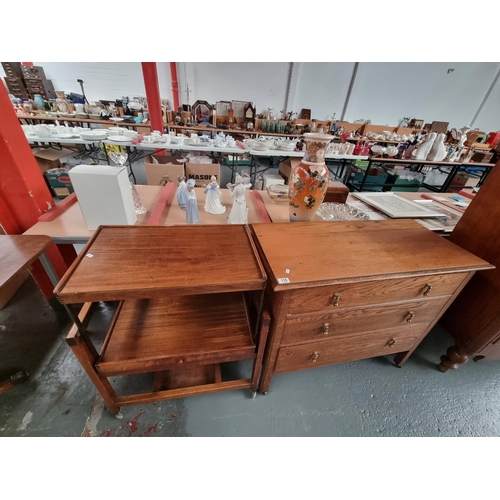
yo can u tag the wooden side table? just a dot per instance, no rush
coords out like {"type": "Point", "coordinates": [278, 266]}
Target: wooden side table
{"type": "Point", "coordinates": [189, 298]}
{"type": "Point", "coordinates": [17, 253]}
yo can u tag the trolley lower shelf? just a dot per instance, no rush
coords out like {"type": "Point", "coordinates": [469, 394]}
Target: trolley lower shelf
{"type": "Point", "coordinates": [182, 339]}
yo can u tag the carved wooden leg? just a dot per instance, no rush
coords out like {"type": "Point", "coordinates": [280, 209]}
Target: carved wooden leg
{"type": "Point", "coordinates": [452, 359]}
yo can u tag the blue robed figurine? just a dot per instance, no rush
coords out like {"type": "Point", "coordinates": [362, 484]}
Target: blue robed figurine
{"type": "Point", "coordinates": [192, 215]}
{"type": "Point", "coordinates": [182, 193]}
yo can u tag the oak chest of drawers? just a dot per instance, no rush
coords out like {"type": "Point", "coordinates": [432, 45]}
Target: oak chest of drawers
{"type": "Point", "coordinates": [343, 291]}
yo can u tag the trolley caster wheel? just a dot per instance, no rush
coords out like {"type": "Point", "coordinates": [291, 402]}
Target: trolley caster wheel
{"type": "Point", "coordinates": [265, 393]}
{"type": "Point", "coordinates": [253, 394]}
{"type": "Point", "coordinates": [119, 415]}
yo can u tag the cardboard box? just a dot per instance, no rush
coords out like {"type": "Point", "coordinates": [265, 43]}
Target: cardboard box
{"type": "Point", "coordinates": [336, 192]}
{"type": "Point", "coordinates": [167, 167]}
{"type": "Point", "coordinates": [462, 180]}
{"type": "Point", "coordinates": [49, 158]}
{"type": "Point", "coordinates": [59, 182]}
{"type": "Point", "coordinates": [202, 172]}
{"type": "Point", "coordinates": [286, 167]}
{"type": "Point", "coordinates": [104, 195]}
{"type": "Point", "coordinates": [271, 179]}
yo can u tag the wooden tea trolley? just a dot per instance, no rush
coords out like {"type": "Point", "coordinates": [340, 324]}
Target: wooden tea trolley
{"type": "Point", "coordinates": [189, 298]}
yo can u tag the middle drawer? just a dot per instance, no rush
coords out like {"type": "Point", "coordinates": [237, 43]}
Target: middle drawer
{"type": "Point", "coordinates": [357, 321]}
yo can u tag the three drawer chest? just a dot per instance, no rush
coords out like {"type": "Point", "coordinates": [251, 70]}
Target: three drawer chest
{"type": "Point", "coordinates": [344, 291]}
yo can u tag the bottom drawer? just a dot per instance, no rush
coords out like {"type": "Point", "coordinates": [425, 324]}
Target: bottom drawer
{"type": "Point", "coordinates": [341, 350]}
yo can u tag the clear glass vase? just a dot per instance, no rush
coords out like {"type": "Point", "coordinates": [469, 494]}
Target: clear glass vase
{"type": "Point", "coordinates": [140, 209]}
{"type": "Point", "coordinates": [309, 179]}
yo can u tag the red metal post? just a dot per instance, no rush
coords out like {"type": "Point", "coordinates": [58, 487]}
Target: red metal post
{"type": "Point", "coordinates": [24, 195]}
{"type": "Point", "coordinates": [175, 84]}
{"type": "Point", "coordinates": [153, 95]}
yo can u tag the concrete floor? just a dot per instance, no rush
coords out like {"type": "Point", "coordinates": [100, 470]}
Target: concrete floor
{"type": "Point", "coordinates": [364, 398]}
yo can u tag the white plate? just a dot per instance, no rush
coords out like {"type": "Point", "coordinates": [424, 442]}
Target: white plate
{"type": "Point", "coordinates": [119, 138]}
{"type": "Point", "coordinates": [93, 137]}
{"type": "Point", "coordinates": [64, 136]}
{"type": "Point", "coordinates": [115, 119]}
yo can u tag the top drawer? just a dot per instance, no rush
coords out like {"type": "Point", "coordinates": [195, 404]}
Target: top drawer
{"type": "Point", "coordinates": [335, 297]}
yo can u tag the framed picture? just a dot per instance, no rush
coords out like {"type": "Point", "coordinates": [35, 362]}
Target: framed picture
{"type": "Point", "coordinates": [305, 114]}
{"type": "Point", "coordinates": [439, 127]}
{"type": "Point", "coordinates": [418, 124]}
{"type": "Point", "coordinates": [397, 207]}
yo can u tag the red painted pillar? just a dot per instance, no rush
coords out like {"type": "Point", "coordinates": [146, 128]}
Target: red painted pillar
{"type": "Point", "coordinates": [24, 195]}
{"type": "Point", "coordinates": [175, 84]}
{"type": "Point", "coordinates": [153, 95]}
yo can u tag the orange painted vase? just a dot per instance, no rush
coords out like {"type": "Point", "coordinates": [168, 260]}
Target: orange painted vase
{"type": "Point", "coordinates": [309, 179]}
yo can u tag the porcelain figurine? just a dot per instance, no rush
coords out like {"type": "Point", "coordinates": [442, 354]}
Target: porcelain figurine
{"type": "Point", "coordinates": [182, 193]}
{"type": "Point", "coordinates": [438, 150]}
{"type": "Point", "coordinates": [463, 136]}
{"type": "Point", "coordinates": [213, 200]}
{"type": "Point", "coordinates": [192, 214]}
{"type": "Point", "coordinates": [421, 152]}
{"type": "Point", "coordinates": [239, 212]}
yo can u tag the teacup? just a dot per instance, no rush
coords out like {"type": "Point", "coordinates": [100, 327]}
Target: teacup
{"type": "Point", "coordinates": [180, 139]}
{"type": "Point", "coordinates": [147, 138]}
{"type": "Point", "coordinates": [42, 130]}
{"type": "Point", "coordinates": [231, 144]}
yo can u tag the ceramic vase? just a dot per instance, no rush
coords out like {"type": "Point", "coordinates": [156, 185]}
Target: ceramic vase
{"type": "Point", "coordinates": [39, 101]}
{"type": "Point", "coordinates": [421, 152]}
{"type": "Point", "coordinates": [438, 150]}
{"type": "Point", "coordinates": [309, 179]}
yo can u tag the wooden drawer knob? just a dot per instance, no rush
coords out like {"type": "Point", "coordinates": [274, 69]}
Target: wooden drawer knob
{"type": "Point", "coordinates": [326, 328]}
{"type": "Point", "coordinates": [427, 289]}
{"type": "Point", "coordinates": [180, 360]}
{"type": "Point", "coordinates": [410, 316]}
{"type": "Point", "coordinates": [336, 299]}
{"type": "Point", "coordinates": [315, 356]}
{"type": "Point", "coordinates": [391, 342]}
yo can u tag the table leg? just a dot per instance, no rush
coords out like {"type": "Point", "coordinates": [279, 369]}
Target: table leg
{"type": "Point", "coordinates": [366, 175]}
{"type": "Point", "coordinates": [127, 148]}
{"type": "Point", "coordinates": [49, 269]}
{"type": "Point", "coordinates": [9, 383]}
{"type": "Point", "coordinates": [449, 179]}
{"type": "Point", "coordinates": [453, 358]}
{"type": "Point", "coordinates": [87, 359]}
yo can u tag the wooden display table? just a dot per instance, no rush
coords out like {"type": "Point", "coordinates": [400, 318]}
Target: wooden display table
{"type": "Point", "coordinates": [189, 298]}
{"type": "Point", "coordinates": [17, 253]}
{"type": "Point", "coordinates": [343, 291]}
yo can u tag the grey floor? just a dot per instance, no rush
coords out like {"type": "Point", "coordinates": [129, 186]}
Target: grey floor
{"type": "Point", "coordinates": [364, 398]}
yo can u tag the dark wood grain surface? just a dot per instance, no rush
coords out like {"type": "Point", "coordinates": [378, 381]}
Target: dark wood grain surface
{"type": "Point", "coordinates": [161, 333]}
{"type": "Point", "coordinates": [312, 254]}
{"type": "Point", "coordinates": [474, 318]}
{"type": "Point", "coordinates": [17, 252]}
{"type": "Point", "coordinates": [144, 261]}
